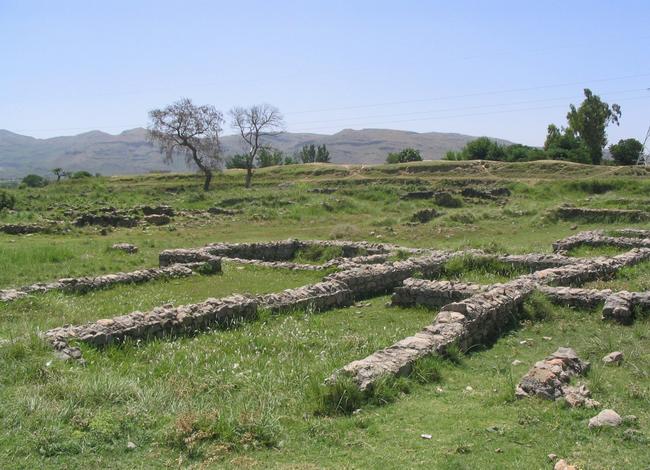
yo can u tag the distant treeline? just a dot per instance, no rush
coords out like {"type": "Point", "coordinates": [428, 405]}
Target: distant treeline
{"type": "Point", "coordinates": [272, 157]}
{"type": "Point", "coordinates": [581, 141]}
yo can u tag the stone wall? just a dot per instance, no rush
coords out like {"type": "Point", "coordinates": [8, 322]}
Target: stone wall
{"type": "Point", "coordinates": [599, 215]}
{"type": "Point", "coordinates": [89, 283]}
{"type": "Point", "coordinates": [475, 319]}
{"type": "Point", "coordinates": [161, 320]}
{"type": "Point", "coordinates": [598, 238]}
{"type": "Point", "coordinates": [321, 296]}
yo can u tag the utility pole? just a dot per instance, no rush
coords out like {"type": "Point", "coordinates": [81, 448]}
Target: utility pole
{"type": "Point", "coordinates": [644, 156]}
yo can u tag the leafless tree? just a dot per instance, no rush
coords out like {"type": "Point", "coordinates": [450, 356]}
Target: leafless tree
{"type": "Point", "coordinates": [185, 128]}
{"type": "Point", "coordinates": [253, 124]}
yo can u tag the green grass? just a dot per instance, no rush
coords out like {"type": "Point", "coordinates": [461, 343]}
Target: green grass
{"type": "Point", "coordinates": [631, 278]}
{"type": "Point", "coordinates": [481, 270]}
{"type": "Point", "coordinates": [253, 395]}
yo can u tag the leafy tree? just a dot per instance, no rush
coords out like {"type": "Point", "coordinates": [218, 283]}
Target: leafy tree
{"type": "Point", "coordinates": [236, 161]}
{"type": "Point", "coordinates": [322, 154]}
{"type": "Point", "coordinates": [7, 200]}
{"type": "Point", "coordinates": [455, 156]}
{"type": "Point", "coordinates": [563, 144]}
{"type": "Point", "coordinates": [403, 156]}
{"type": "Point", "coordinates": [626, 152]}
{"type": "Point", "coordinates": [589, 122]}
{"type": "Point", "coordinates": [34, 181]}
{"type": "Point", "coordinates": [289, 160]}
{"type": "Point", "coordinates": [254, 124]}
{"type": "Point", "coordinates": [192, 130]}
{"type": "Point", "coordinates": [268, 157]}
{"type": "Point", "coordinates": [58, 172]}
{"type": "Point", "coordinates": [480, 149]}
{"type": "Point", "coordinates": [308, 154]}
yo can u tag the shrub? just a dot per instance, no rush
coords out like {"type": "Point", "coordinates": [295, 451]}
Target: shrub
{"type": "Point", "coordinates": [406, 155]}
{"type": "Point", "coordinates": [34, 181]}
{"type": "Point", "coordinates": [626, 152]}
{"type": "Point", "coordinates": [80, 175]}
{"type": "Point", "coordinates": [7, 200]}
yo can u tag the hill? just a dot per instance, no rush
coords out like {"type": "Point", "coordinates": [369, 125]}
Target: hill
{"type": "Point", "coordinates": [129, 152]}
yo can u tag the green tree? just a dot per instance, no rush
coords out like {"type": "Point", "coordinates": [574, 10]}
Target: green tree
{"type": "Point", "coordinates": [267, 157]}
{"type": "Point", "coordinates": [322, 154]}
{"type": "Point", "coordinates": [589, 122]}
{"type": "Point", "coordinates": [236, 161]}
{"type": "Point", "coordinates": [480, 149]}
{"type": "Point", "coordinates": [307, 153]}
{"type": "Point", "coordinates": [34, 181]}
{"type": "Point", "coordinates": [7, 200]}
{"type": "Point", "coordinates": [563, 144]}
{"type": "Point", "coordinates": [626, 152]}
{"type": "Point", "coordinates": [403, 156]}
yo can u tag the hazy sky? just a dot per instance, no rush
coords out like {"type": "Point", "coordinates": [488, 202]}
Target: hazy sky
{"type": "Point", "coordinates": [500, 68]}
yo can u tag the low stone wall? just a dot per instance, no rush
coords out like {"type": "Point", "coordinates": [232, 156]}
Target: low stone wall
{"type": "Point", "coordinates": [476, 319]}
{"type": "Point", "coordinates": [598, 238]}
{"type": "Point", "coordinates": [465, 323]}
{"type": "Point", "coordinates": [161, 320]}
{"type": "Point", "coordinates": [22, 229]}
{"type": "Point", "coordinates": [535, 261]}
{"type": "Point", "coordinates": [432, 294]}
{"type": "Point", "coordinates": [600, 215]}
{"type": "Point", "coordinates": [632, 233]}
{"type": "Point", "coordinates": [90, 283]}
{"type": "Point", "coordinates": [377, 279]}
{"type": "Point", "coordinates": [158, 210]}
{"type": "Point", "coordinates": [284, 251]}
{"type": "Point", "coordinates": [321, 296]}
{"type": "Point", "coordinates": [107, 219]}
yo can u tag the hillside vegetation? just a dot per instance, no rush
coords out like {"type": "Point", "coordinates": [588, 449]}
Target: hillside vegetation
{"type": "Point", "coordinates": [247, 396]}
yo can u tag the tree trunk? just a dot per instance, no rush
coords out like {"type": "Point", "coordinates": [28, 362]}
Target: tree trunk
{"type": "Point", "coordinates": [208, 178]}
{"type": "Point", "coordinates": [249, 176]}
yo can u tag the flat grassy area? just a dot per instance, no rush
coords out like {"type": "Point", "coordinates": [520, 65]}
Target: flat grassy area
{"type": "Point", "coordinates": [245, 397]}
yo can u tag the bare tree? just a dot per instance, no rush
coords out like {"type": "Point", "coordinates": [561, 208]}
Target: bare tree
{"type": "Point", "coordinates": [185, 128]}
{"type": "Point", "coordinates": [58, 172]}
{"type": "Point", "coordinates": [253, 124]}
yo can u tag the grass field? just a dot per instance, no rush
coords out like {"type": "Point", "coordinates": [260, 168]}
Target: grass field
{"type": "Point", "coordinates": [247, 397]}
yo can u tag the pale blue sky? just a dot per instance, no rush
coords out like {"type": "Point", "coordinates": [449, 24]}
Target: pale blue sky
{"type": "Point", "coordinates": [500, 68]}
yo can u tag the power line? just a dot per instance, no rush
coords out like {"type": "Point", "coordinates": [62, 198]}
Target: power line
{"type": "Point", "coordinates": [470, 95]}
{"type": "Point", "coordinates": [455, 116]}
{"type": "Point", "coordinates": [543, 100]}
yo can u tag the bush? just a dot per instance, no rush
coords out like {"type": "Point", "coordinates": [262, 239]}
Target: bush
{"type": "Point", "coordinates": [7, 200]}
{"type": "Point", "coordinates": [626, 152]}
{"type": "Point", "coordinates": [406, 155]}
{"type": "Point", "coordinates": [81, 174]}
{"type": "Point", "coordinates": [34, 181]}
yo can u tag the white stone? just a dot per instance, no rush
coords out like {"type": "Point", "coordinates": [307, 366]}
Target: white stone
{"type": "Point", "coordinates": [606, 418]}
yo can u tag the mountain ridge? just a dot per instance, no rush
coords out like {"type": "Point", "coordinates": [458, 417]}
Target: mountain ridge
{"type": "Point", "coordinates": [130, 152]}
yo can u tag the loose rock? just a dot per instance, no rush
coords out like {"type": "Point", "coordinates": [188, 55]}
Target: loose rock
{"type": "Point", "coordinates": [613, 358]}
{"type": "Point", "coordinates": [606, 418]}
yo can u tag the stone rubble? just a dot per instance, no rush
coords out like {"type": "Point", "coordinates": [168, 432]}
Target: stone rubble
{"type": "Point", "coordinates": [157, 219]}
{"type": "Point", "coordinates": [125, 247]}
{"type": "Point", "coordinates": [550, 379]}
